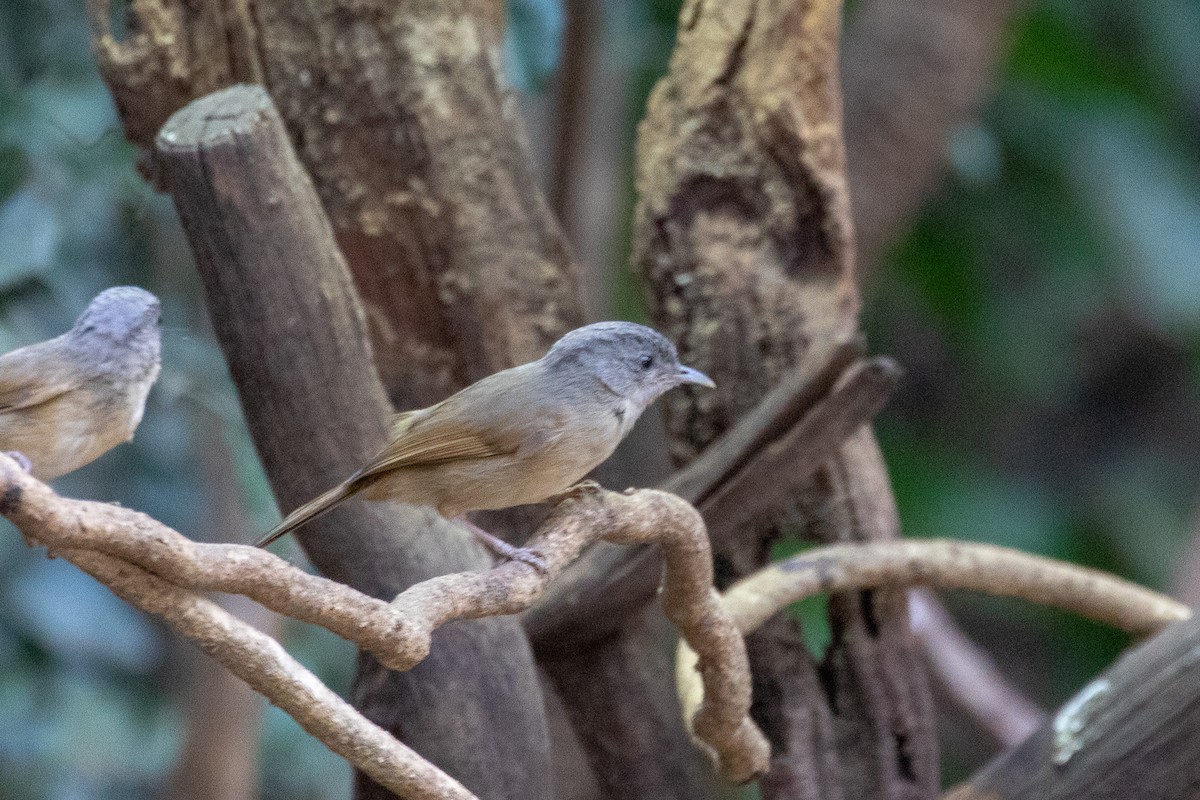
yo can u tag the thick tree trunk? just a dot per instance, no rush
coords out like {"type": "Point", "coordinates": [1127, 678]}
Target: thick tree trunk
{"type": "Point", "coordinates": [744, 239]}
{"type": "Point", "coordinates": [403, 120]}
{"type": "Point", "coordinates": [1129, 733]}
{"type": "Point", "coordinates": [286, 315]}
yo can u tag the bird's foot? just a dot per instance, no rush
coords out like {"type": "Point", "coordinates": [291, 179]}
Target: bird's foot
{"type": "Point", "coordinates": [21, 459]}
{"type": "Point", "coordinates": [506, 551]}
{"type": "Point", "coordinates": [528, 555]}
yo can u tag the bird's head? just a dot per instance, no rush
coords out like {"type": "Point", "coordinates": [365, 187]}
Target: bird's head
{"type": "Point", "coordinates": [632, 361]}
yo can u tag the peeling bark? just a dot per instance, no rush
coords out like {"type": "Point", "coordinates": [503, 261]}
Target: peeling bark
{"type": "Point", "coordinates": [744, 240]}
{"type": "Point", "coordinates": [1131, 732]}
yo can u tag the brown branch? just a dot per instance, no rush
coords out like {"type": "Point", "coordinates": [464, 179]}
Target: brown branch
{"type": "Point", "coordinates": [776, 475]}
{"type": "Point", "coordinates": [1129, 733]}
{"type": "Point", "coordinates": [776, 416]}
{"type": "Point", "coordinates": [944, 565]}
{"type": "Point", "coordinates": [744, 240]}
{"type": "Point", "coordinates": [947, 564]}
{"type": "Point", "coordinates": [259, 660]}
{"type": "Point", "coordinates": [399, 633]}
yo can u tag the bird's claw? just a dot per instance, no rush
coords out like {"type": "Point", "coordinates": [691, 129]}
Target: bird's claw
{"type": "Point", "coordinates": [21, 459]}
{"type": "Point", "coordinates": [527, 555]}
{"type": "Point", "coordinates": [506, 551]}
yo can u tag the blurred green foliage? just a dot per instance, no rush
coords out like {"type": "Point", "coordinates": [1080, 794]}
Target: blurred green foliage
{"type": "Point", "coordinates": [1046, 304]}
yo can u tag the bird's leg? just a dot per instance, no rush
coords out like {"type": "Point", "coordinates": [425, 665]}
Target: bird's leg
{"type": "Point", "coordinates": [503, 549]}
{"type": "Point", "coordinates": [21, 459]}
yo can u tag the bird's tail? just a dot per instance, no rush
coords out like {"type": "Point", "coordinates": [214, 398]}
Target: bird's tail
{"type": "Point", "coordinates": [313, 508]}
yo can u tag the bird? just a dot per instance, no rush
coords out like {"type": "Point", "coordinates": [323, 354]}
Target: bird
{"type": "Point", "coordinates": [68, 400]}
{"type": "Point", "coordinates": [518, 436]}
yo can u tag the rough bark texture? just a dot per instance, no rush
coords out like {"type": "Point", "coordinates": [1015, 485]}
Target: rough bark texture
{"type": "Point", "coordinates": [743, 237]}
{"type": "Point", "coordinates": [284, 310]}
{"type": "Point", "coordinates": [401, 116]}
{"type": "Point", "coordinates": [633, 753]}
{"type": "Point", "coordinates": [1129, 733]}
{"type": "Point", "coordinates": [795, 715]}
{"type": "Point", "coordinates": [913, 72]}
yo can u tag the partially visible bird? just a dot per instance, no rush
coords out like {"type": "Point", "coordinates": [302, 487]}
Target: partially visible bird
{"type": "Point", "coordinates": [68, 400]}
{"type": "Point", "coordinates": [518, 436]}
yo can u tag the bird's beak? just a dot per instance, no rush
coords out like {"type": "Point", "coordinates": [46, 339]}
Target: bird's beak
{"type": "Point", "coordinates": [689, 375]}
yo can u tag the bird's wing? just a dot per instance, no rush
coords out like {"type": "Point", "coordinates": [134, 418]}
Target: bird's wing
{"type": "Point", "coordinates": [427, 437]}
{"type": "Point", "coordinates": [25, 380]}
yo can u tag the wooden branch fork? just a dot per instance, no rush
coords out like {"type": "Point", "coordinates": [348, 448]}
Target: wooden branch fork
{"type": "Point", "coordinates": [159, 570]}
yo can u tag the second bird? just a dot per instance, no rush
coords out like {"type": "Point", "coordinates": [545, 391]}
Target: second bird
{"type": "Point", "coordinates": [521, 435]}
{"type": "Point", "coordinates": [68, 400]}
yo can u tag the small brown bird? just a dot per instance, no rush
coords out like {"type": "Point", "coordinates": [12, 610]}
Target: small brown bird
{"type": "Point", "coordinates": [521, 435]}
{"type": "Point", "coordinates": [66, 401]}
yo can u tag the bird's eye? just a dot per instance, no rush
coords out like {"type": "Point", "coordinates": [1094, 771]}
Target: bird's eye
{"type": "Point", "coordinates": [647, 362]}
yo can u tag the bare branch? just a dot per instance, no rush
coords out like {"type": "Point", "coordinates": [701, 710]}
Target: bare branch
{"type": "Point", "coordinates": [779, 471]}
{"type": "Point", "coordinates": [260, 661]}
{"type": "Point", "coordinates": [399, 634]}
{"type": "Point", "coordinates": [798, 393]}
{"type": "Point", "coordinates": [969, 677]}
{"type": "Point", "coordinates": [944, 565]}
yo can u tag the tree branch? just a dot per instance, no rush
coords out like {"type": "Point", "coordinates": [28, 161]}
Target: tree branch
{"type": "Point", "coordinates": [259, 660]}
{"type": "Point", "coordinates": [744, 240]}
{"type": "Point", "coordinates": [1131, 732]}
{"type": "Point", "coordinates": [940, 564]}
{"type": "Point", "coordinates": [400, 633]}
{"type": "Point", "coordinates": [966, 674]}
